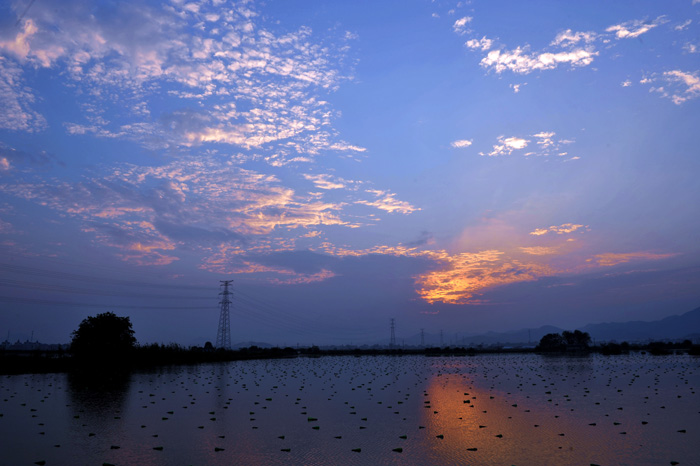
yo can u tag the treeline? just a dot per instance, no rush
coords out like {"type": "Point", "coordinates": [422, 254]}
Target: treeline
{"type": "Point", "coordinates": [654, 347]}
{"type": "Point", "coordinates": [143, 357]}
{"type": "Point", "coordinates": [106, 343]}
{"type": "Point", "coordinates": [578, 341]}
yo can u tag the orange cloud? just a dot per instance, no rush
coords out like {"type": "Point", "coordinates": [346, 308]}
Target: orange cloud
{"type": "Point", "coordinates": [609, 259]}
{"type": "Point", "coordinates": [462, 276]}
{"type": "Point", "coordinates": [539, 250]}
{"type": "Point", "coordinates": [465, 275]}
{"type": "Point", "coordinates": [149, 258]}
{"type": "Point", "coordinates": [387, 201]}
{"type": "Point", "coordinates": [227, 260]}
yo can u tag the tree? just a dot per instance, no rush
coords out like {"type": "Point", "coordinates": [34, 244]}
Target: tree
{"type": "Point", "coordinates": [552, 342]}
{"type": "Point", "coordinates": [576, 338]}
{"type": "Point", "coordinates": [583, 338]}
{"type": "Point", "coordinates": [103, 336]}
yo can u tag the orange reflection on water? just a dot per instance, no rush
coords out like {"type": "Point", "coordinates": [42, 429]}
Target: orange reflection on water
{"type": "Point", "coordinates": [466, 424]}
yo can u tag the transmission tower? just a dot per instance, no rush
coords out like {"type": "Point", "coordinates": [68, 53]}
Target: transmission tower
{"type": "Point", "coordinates": [223, 335]}
{"type": "Point", "coordinates": [392, 342]}
{"type": "Point", "coordinates": [422, 337]}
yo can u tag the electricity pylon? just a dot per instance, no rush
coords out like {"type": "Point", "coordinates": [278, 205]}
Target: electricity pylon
{"type": "Point", "coordinates": [223, 334]}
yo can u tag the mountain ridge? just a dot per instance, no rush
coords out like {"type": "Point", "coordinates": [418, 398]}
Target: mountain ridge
{"type": "Point", "coordinates": [676, 327]}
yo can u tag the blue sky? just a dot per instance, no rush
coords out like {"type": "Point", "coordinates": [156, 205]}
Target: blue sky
{"type": "Point", "coordinates": [458, 166]}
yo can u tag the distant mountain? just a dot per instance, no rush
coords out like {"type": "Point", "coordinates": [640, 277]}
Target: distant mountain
{"type": "Point", "coordinates": [522, 336]}
{"type": "Point", "coordinates": [684, 326]}
{"type": "Point", "coordinates": [671, 328]}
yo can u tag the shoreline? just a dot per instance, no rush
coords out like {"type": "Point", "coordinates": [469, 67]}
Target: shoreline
{"type": "Point", "coordinates": [154, 356]}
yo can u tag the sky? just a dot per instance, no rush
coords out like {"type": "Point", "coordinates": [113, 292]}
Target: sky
{"type": "Point", "coordinates": [461, 167]}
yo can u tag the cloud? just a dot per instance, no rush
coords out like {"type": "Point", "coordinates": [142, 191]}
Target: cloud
{"type": "Point", "coordinates": [136, 242]}
{"type": "Point", "coordinates": [321, 276]}
{"type": "Point", "coordinates": [460, 26]}
{"type": "Point", "coordinates": [626, 83]}
{"type": "Point", "coordinates": [188, 204]}
{"type": "Point", "coordinates": [453, 278]}
{"type": "Point", "coordinates": [242, 84]}
{"type": "Point", "coordinates": [325, 181]}
{"type": "Point", "coordinates": [197, 234]}
{"type": "Point", "coordinates": [482, 44]}
{"type": "Point", "coordinates": [16, 101]}
{"type": "Point", "coordinates": [387, 201]}
{"type": "Point", "coordinates": [18, 46]}
{"type": "Point", "coordinates": [634, 28]}
{"type": "Point", "coordinates": [545, 145]}
{"type": "Point", "coordinates": [461, 143]}
{"type": "Point", "coordinates": [506, 146]}
{"type": "Point", "coordinates": [539, 231]}
{"type": "Point", "coordinates": [539, 250]}
{"type": "Point", "coordinates": [425, 239]}
{"type": "Point", "coordinates": [569, 38]}
{"type": "Point", "coordinates": [521, 61]}
{"type": "Point", "coordinates": [464, 276]}
{"type": "Point", "coordinates": [609, 259]}
{"type": "Point", "coordinates": [545, 138]}
{"type": "Point", "coordinates": [573, 48]}
{"type": "Point", "coordinates": [344, 147]}
{"type": "Point", "coordinates": [500, 256]}
{"type": "Point", "coordinates": [684, 25]}
{"type": "Point", "coordinates": [677, 85]}
{"type": "Point", "coordinates": [14, 158]}
{"type": "Point", "coordinates": [564, 228]}
{"type": "Point", "coordinates": [568, 47]}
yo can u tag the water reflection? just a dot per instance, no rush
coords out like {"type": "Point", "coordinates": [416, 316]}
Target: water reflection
{"type": "Point", "coordinates": [575, 362]}
{"type": "Point", "coordinates": [98, 394]}
{"type": "Point", "coordinates": [564, 410]}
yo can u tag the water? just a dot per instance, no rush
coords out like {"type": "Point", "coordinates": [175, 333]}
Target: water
{"type": "Point", "coordinates": [482, 410]}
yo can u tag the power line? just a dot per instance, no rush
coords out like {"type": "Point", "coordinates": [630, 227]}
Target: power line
{"type": "Point", "coordinates": [63, 275]}
{"type": "Point", "coordinates": [47, 287]}
{"type": "Point", "coordinates": [21, 17]}
{"type": "Point", "coordinates": [249, 307]}
{"type": "Point", "coordinates": [51, 302]}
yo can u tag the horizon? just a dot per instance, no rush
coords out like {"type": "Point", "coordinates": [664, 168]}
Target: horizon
{"type": "Point", "coordinates": [431, 339]}
{"type": "Point", "coordinates": [481, 166]}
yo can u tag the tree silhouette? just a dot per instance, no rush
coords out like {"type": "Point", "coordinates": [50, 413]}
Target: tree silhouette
{"type": "Point", "coordinates": [552, 342]}
{"type": "Point", "coordinates": [103, 336]}
{"type": "Point", "coordinates": [577, 338]}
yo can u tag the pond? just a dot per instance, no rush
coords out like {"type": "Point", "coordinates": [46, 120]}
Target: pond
{"type": "Point", "coordinates": [520, 409]}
